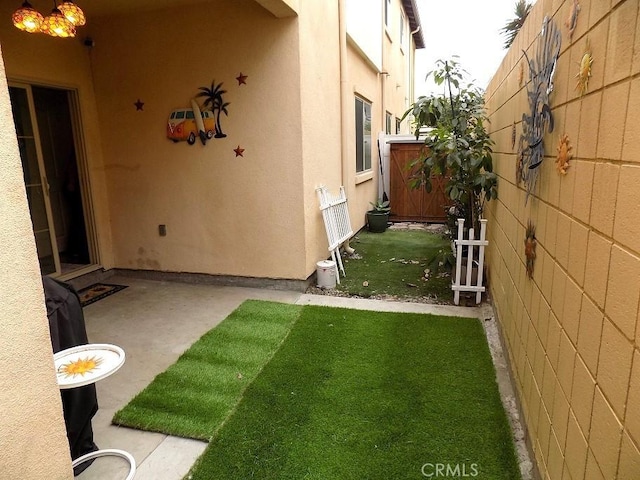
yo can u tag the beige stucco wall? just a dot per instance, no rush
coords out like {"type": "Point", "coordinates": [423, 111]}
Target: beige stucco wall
{"type": "Point", "coordinates": [388, 90]}
{"type": "Point", "coordinates": [364, 82]}
{"type": "Point", "coordinates": [572, 331]}
{"type": "Point", "coordinates": [224, 214]}
{"type": "Point", "coordinates": [33, 442]}
{"type": "Point", "coordinates": [320, 117]}
{"type": "Point", "coordinates": [398, 58]}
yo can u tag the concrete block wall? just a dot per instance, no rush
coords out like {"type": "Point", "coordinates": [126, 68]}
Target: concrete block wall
{"type": "Point", "coordinates": [572, 330]}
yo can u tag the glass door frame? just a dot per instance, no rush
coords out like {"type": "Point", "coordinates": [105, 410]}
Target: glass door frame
{"type": "Point", "coordinates": [83, 174]}
{"type": "Point", "coordinates": [42, 174]}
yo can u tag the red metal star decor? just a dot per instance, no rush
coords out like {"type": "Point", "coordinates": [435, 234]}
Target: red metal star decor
{"type": "Point", "coordinates": [139, 104]}
{"type": "Point", "coordinates": [242, 79]}
{"type": "Point", "coordinates": [239, 151]}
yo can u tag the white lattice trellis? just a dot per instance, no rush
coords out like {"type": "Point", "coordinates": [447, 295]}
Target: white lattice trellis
{"type": "Point", "coordinates": [463, 281]}
{"type": "Point", "coordinates": [335, 213]}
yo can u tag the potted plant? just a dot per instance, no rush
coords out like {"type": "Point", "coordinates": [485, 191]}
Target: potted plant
{"type": "Point", "coordinates": [378, 216]}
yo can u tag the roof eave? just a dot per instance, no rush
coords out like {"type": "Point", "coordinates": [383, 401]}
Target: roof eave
{"type": "Point", "coordinates": [413, 15]}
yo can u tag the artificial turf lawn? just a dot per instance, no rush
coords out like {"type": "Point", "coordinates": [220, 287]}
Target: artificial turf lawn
{"type": "Point", "coordinates": [349, 395]}
{"type": "Point", "coordinates": [197, 393]}
{"type": "Point", "coordinates": [393, 263]}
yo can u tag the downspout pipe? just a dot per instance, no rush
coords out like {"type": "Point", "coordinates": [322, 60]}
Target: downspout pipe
{"type": "Point", "coordinates": [344, 94]}
{"type": "Point", "coordinates": [344, 102]}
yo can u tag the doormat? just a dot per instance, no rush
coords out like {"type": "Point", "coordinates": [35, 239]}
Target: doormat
{"type": "Point", "coordinates": [98, 291]}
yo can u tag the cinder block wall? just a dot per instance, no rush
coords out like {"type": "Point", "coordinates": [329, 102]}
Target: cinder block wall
{"type": "Point", "coordinates": [572, 330]}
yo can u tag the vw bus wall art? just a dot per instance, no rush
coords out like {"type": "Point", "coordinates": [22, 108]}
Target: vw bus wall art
{"type": "Point", "coordinates": [199, 122]}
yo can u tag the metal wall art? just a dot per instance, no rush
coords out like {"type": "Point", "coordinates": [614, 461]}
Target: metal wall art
{"type": "Point", "coordinates": [572, 21]}
{"type": "Point", "coordinates": [585, 71]}
{"type": "Point", "coordinates": [521, 74]}
{"type": "Point", "coordinates": [199, 121]}
{"type": "Point", "coordinates": [542, 69]}
{"type": "Point", "coordinates": [530, 244]}
{"type": "Point", "coordinates": [564, 155]}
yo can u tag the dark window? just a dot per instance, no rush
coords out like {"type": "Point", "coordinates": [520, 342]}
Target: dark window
{"type": "Point", "coordinates": [363, 135]}
{"type": "Point", "coordinates": [387, 12]}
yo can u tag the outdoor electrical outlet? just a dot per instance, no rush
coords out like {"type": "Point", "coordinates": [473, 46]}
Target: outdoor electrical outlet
{"type": "Point", "coordinates": [162, 230]}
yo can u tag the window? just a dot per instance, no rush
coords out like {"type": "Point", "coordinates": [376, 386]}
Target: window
{"type": "Point", "coordinates": [387, 128]}
{"type": "Point", "coordinates": [363, 135]}
{"type": "Point", "coordinates": [387, 12]}
{"type": "Point", "coordinates": [398, 125]}
{"type": "Point", "coordinates": [401, 29]}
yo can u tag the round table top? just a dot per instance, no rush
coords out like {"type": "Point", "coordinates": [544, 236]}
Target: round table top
{"type": "Point", "coordinates": [86, 364]}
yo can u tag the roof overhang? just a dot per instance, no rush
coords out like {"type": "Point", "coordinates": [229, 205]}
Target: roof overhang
{"type": "Point", "coordinates": [279, 8]}
{"type": "Point", "coordinates": [413, 15]}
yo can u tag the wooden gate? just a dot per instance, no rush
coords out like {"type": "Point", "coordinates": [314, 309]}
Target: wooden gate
{"type": "Point", "coordinates": [408, 204]}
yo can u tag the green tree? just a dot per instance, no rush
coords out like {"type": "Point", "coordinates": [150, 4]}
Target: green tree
{"type": "Point", "coordinates": [511, 29]}
{"type": "Point", "coordinates": [458, 145]}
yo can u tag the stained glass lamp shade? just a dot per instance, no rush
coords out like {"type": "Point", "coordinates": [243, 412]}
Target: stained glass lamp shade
{"type": "Point", "coordinates": [27, 19]}
{"type": "Point", "coordinates": [57, 25]}
{"type": "Point", "coordinates": [72, 12]}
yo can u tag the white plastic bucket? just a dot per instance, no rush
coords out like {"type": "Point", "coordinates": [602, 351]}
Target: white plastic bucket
{"type": "Point", "coordinates": [326, 273]}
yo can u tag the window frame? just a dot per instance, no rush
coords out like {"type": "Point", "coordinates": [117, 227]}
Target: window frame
{"type": "Point", "coordinates": [387, 14]}
{"type": "Point", "coordinates": [363, 151]}
{"type": "Point", "coordinates": [402, 30]}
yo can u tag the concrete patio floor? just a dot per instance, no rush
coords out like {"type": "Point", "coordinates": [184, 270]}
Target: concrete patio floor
{"type": "Point", "coordinates": [154, 322]}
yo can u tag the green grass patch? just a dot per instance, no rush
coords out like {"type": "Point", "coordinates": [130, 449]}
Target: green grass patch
{"type": "Point", "coordinates": [194, 396]}
{"type": "Point", "coordinates": [356, 394]}
{"type": "Point", "coordinates": [393, 263]}
{"type": "Point", "coordinates": [347, 395]}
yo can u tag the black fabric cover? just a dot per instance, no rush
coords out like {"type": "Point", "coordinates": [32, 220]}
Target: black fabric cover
{"type": "Point", "coordinates": [67, 327]}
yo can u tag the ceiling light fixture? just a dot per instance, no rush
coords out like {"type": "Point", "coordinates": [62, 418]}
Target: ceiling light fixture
{"type": "Point", "coordinates": [72, 12]}
{"type": "Point", "coordinates": [56, 25]}
{"type": "Point", "coordinates": [61, 22]}
{"type": "Point", "coordinates": [26, 18]}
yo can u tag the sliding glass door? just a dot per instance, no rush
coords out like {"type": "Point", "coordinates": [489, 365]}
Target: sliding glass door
{"type": "Point", "coordinates": [45, 132]}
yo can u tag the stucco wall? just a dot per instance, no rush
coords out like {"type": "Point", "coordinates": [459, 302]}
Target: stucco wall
{"type": "Point", "coordinates": [33, 441]}
{"type": "Point", "coordinates": [364, 82]}
{"type": "Point", "coordinates": [398, 62]}
{"type": "Point", "coordinates": [224, 214]}
{"type": "Point", "coordinates": [320, 117]}
{"type": "Point", "coordinates": [571, 331]}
